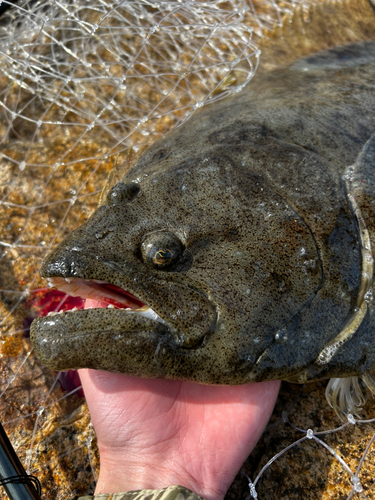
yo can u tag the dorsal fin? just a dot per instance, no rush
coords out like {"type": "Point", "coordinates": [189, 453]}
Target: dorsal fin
{"type": "Point", "coordinates": [327, 24]}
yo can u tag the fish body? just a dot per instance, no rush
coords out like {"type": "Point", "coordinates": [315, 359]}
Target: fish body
{"type": "Point", "coordinates": [248, 232]}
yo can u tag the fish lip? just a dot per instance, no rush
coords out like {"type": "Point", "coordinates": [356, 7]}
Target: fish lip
{"type": "Point", "coordinates": [69, 343]}
{"type": "Point", "coordinates": [116, 297]}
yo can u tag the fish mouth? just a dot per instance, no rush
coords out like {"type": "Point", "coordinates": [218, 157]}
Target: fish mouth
{"type": "Point", "coordinates": [113, 321]}
{"type": "Point", "coordinates": [120, 330]}
{"type": "Point", "coordinates": [100, 294]}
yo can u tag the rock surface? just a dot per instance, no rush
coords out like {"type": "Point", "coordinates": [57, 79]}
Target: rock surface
{"type": "Point", "coordinates": [308, 470]}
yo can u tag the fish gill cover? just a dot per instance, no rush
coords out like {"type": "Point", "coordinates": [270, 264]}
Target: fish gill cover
{"type": "Point", "coordinates": [84, 86]}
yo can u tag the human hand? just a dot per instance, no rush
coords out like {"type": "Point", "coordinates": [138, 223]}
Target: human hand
{"type": "Point", "coordinates": [157, 433]}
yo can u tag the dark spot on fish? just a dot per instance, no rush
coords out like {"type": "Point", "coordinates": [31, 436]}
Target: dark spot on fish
{"type": "Point", "coordinates": [123, 193]}
{"type": "Point", "coordinates": [160, 155]}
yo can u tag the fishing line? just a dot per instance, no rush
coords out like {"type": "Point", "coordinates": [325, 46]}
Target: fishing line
{"type": "Point", "coordinates": [17, 484]}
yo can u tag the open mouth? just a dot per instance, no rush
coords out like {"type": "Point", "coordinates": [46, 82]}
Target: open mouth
{"type": "Point", "coordinates": [113, 325]}
{"type": "Point", "coordinates": [100, 294]}
{"type": "Point", "coordinates": [131, 330]}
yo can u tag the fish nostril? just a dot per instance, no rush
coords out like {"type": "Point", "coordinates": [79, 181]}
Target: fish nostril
{"type": "Point", "coordinates": [123, 193]}
{"type": "Point", "coordinates": [64, 262]}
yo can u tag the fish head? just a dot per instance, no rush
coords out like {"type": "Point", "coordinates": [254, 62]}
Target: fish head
{"type": "Point", "coordinates": [204, 264]}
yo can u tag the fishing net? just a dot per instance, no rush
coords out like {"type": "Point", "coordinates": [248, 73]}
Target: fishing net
{"type": "Point", "coordinates": [84, 87]}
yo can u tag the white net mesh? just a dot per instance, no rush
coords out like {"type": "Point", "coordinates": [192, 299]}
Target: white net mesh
{"type": "Point", "coordinates": [83, 86]}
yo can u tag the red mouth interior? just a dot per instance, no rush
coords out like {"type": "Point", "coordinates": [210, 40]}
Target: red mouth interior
{"type": "Point", "coordinates": [129, 300]}
{"type": "Point", "coordinates": [132, 303]}
{"type": "Point", "coordinates": [45, 300]}
{"type": "Point", "coordinates": [98, 294]}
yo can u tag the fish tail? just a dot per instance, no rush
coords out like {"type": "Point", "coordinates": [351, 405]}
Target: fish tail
{"type": "Point", "coordinates": [345, 396]}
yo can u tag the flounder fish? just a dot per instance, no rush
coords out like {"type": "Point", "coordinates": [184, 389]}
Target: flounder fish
{"type": "Point", "coordinates": [239, 248]}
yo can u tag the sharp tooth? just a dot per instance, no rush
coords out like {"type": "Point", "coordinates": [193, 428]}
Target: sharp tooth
{"type": "Point", "coordinates": [149, 313]}
{"type": "Point", "coordinates": [110, 306]}
{"type": "Point", "coordinates": [68, 280]}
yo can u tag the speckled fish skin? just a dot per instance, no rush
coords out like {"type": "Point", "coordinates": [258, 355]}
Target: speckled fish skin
{"type": "Point", "coordinates": [257, 190]}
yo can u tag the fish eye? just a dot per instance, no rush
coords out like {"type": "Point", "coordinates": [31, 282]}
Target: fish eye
{"type": "Point", "coordinates": [161, 250]}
